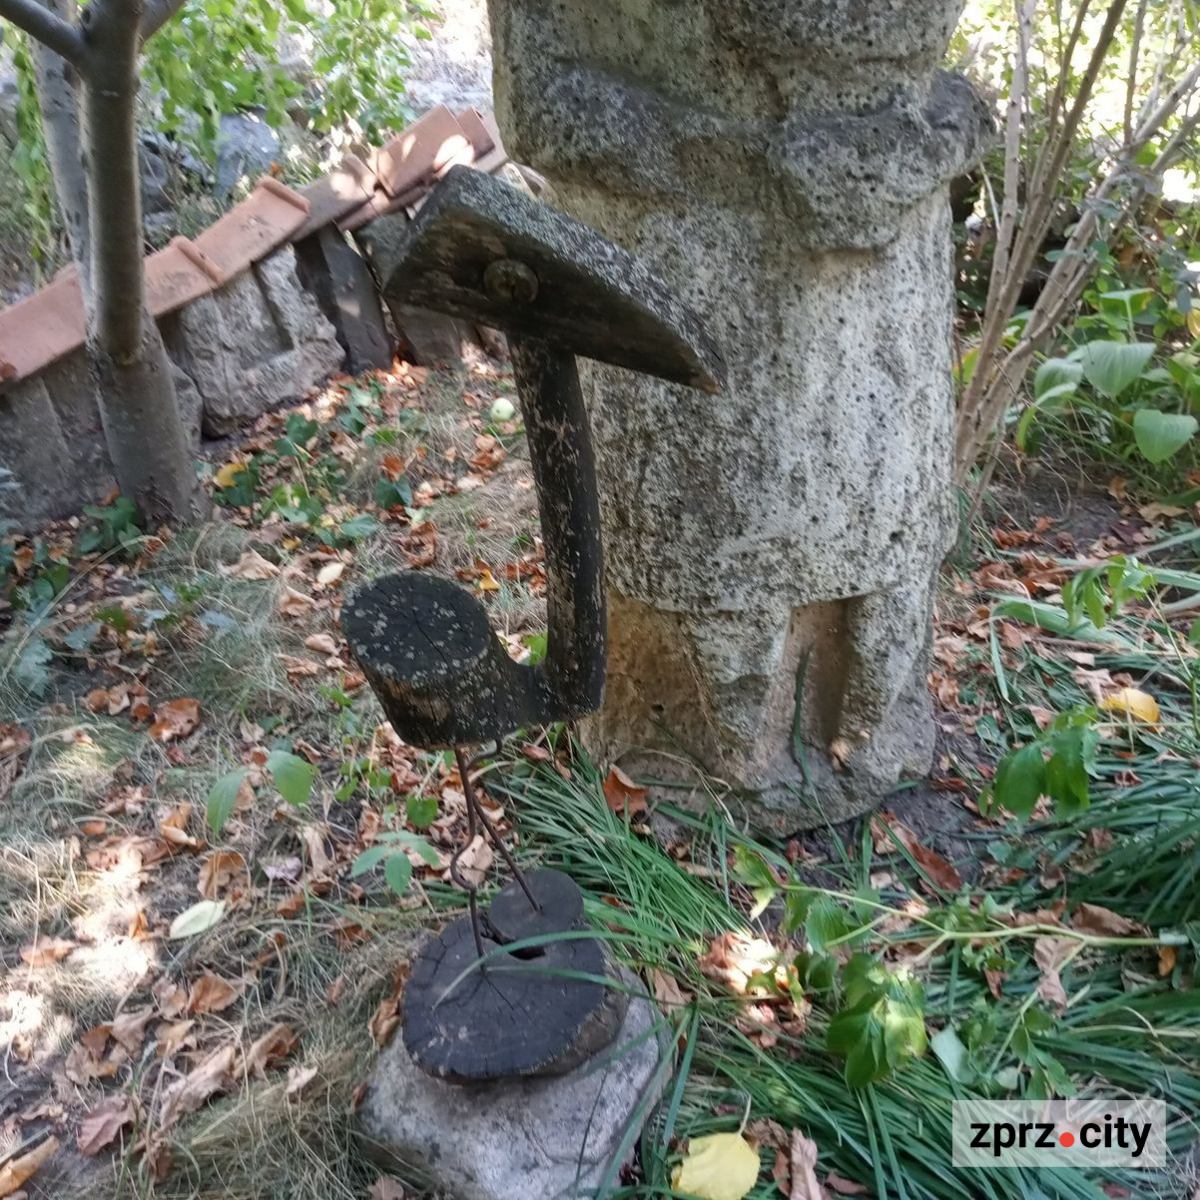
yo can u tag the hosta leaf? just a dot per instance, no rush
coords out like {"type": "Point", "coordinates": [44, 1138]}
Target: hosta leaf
{"type": "Point", "coordinates": [1160, 435]}
{"type": "Point", "coordinates": [1110, 367]}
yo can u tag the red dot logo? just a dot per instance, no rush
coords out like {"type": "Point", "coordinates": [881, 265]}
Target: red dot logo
{"type": "Point", "coordinates": [1066, 1139]}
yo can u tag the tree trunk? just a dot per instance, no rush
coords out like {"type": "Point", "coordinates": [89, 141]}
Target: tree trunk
{"type": "Point", "coordinates": [771, 552]}
{"type": "Point", "coordinates": [57, 84]}
{"type": "Point", "coordinates": [143, 429]}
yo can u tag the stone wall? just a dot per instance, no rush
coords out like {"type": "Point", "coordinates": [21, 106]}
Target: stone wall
{"type": "Point", "coordinates": [255, 342]}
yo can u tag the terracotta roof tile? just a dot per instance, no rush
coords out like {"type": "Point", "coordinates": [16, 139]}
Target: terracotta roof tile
{"type": "Point", "coordinates": [476, 128]}
{"type": "Point", "coordinates": [41, 329]}
{"type": "Point", "coordinates": [178, 274]}
{"type": "Point", "coordinates": [426, 148]}
{"type": "Point", "coordinates": [348, 186]}
{"type": "Point", "coordinates": [253, 228]}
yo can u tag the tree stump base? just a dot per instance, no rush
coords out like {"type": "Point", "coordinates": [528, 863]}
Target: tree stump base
{"type": "Point", "coordinates": [432, 658]}
{"type": "Point", "coordinates": [542, 1010]}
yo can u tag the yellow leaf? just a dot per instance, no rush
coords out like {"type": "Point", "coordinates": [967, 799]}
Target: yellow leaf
{"type": "Point", "coordinates": [1193, 322]}
{"type": "Point", "coordinates": [1139, 705]}
{"type": "Point", "coordinates": [487, 581]}
{"type": "Point", "coordinates": [722, 1166]}
{"type": "Point", "coordinates": [227, 475]}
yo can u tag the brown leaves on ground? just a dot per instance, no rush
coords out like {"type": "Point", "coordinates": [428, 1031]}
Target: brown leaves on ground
{"type": "Point", "coordinates": [622, 795]}
{"type": "Point", "coordinates": [104, 1124]}
{"type": "Point", "coordinates": [14, 742]}
{"type": "Point", "coordinates": [251, 565]}
{"type": "Point", "coordinates": [294, 603]}
{"type": "Point", "coordinates": [1103, 922]}
{"type": "Point", "coordinates": [386, 1188]}
{"type": "Point", "coordinates": [271, 1049]}
{"type": "Point", "coordinates": [185, 1095]}
{"type": "Point", "coordinates": [173, 829]}
{"type": "Point", "coordinates": [940, 872]}
{"type": "Point", "coordinates": [175, 719]}
{"type": "Point", "coordinates": [1051, 954]}
{"type": "Point", "coordinates": [385, 1020]}
{"type": "Point", "coordinates": [223, 871]}
{"type": "Point", "coordinates": [43, 951]}
{"type": "Point", "coordinates": [18, 1171]}
{"type": "Point", "coordinates": [210, 993]}
{"type": "Point", "coordinates": [667, 991]}
{"type": "Point", "coordinates": [476, 860]}
{"type": "Point", "coordinates": [795, 1165]}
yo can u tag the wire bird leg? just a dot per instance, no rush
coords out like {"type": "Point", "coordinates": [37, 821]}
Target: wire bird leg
{"type": "Point", "coordinates": [476, 817]}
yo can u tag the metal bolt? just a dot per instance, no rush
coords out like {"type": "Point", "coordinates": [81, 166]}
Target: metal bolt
{"type": "Point", "coordinates": [510, 280]}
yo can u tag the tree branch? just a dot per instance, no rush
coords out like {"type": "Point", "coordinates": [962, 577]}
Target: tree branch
{"type": "Point", "coordinates": [155, 15]}
{"type": "Point", "coordinates": [52, 31]}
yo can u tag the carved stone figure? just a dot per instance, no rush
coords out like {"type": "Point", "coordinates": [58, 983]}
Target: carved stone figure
{"type": "Point", "coordinates": [771, 551]}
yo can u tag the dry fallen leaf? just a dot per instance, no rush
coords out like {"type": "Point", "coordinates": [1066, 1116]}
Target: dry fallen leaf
{"type": "Point", "coordinates": [721, 1166]}
{"type": "Point", "coordinates": [1050, 953]}
{"type": "Point", "coordinates": [272, 1048]}
{"type": "Point", "coordinates": [803, 1159]}
{"type": "Point", "coordinates": [622, 795]}
{"type": "Point", "coordinates": [103, 1125]}
{"type": "Point", "coordinates": [295, 604]}
{"type": "Point", "coordinates": [385, 1020]}
{"type": "Point", "coordinates": [330, 573]}
{"type": "Point", "coordinates": [476, 860]}
{"type": "Point", "coordinates": [186, 1095]}
{"type": "Point", "coordinates": [667, 991]}
{"type": "Point", "coordinates": [173, 828]}
{"type": "Point", "coordinates": [221, 871]}
{"type": "Point", "coordinates": [129, 1028]}
{"type": "Point", "coordinates": [169, 996]}
{"type": "Point", "coordinates": [386, 1188]}
{"type": "Point", "coordinates": [298, 1079]}
{"type": "Point", "coordinates": [1167, 957]}
{"type": "Point", "coordinates": [1141, 706]}
{"type": "Point", "coordinates": [43, 951]}
{"type": "Point", "coordinates": [175, 719]}
{"type": "Point", "coordinates": [15, 1174]}
{"type": "Point", "coordinates": [227, 475]}
{"type": "Point", "coordinates": [173, 1037]}
{"type": "Point", "coordinates": [322, 643]}
{"type": "Point", "coordinates": [843, 1186]}
{"type": "Point", "coordinates": [210, 993]}
{"type": "Point", "coordinates": [942, 873]}
{"type": "Point", "coordinates": [251, 565]}
{"type": "Point", "coordinates": [1103, 922]}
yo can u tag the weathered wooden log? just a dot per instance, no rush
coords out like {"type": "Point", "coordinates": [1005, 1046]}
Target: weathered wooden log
{"type": "Point", "coordinates": [430, 655]}
{"type": "Point", "coordinates": [481, 250]}
{"type": "Point", "coordinates": [466, 1021]}
{"type": "Point", "coordinates": [511, 918]}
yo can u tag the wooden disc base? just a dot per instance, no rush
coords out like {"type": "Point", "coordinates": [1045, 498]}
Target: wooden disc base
{"type": "Point", "coordinates": [541, 1014]}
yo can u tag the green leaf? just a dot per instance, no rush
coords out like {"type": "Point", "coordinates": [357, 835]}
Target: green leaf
{"type": "Point", "coordinates": [952, 1054]}
{"type": "Point", "coordinates": [1160, 435]}
{"type": "Point", "coordinates": [293, 776]}
{"type": "Point", "coordinates": [1110, 367]}
{"type": "Point", "coordinates": [30, 667]}
{"type": "Point", "coordinates": [1056, 373]}
{"type": "Point", "coordinates": [421, 811]}
{"type": "Point", "coordinates": [1020, 780]}
{"type": "Point", "coordinates": [219, 806]}
{"type": "Point", "coordinates": [359, 527]}
{"type": "Point", "coordinates": [826, 923]}
{"type": "Point", "coordinates": [197, 919]}
{"type": "Point", "coordinates": [369, 859]}
{"type": "Point", "coordinates": [398, 872]}
{"type": "Point", "coordinates": [427, 852]}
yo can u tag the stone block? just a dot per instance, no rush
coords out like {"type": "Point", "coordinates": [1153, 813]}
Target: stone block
{"type": "Point", "coordinates": [516, 1139]}
{"type": "Point", "coordinates": [252, 344]}
{"type": "Point", "coordinates": [343, 286]}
